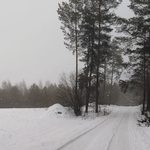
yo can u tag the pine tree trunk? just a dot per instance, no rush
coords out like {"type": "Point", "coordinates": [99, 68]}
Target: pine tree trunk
{"type": "Point", "coordinates": [90, 70]}
{"type": "Point", "coordinates": [77, 101]}
{"type": "Point", "coordinates": [148, 90]}
{"type": "Point", "coordinates": [97, 88]}
{"type": "Point", "coordinates": [98, 58]}
{"type": "Point", "coordinates": [87, 80]}
{"type": "Point", "coordinates": [111, 83]}
{"type": "Point", "coordinates": [144, 82]}
{"type": "Point", "coordinates": [105, 72]}
{"type": "Point", "coordinates": [87, 98]}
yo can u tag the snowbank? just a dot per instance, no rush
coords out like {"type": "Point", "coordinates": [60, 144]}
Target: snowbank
{"type": "Point", "coordinates": [57, 110]}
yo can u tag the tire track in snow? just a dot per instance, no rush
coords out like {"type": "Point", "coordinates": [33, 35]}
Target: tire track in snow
{"type": "Point", "coordinates": [125, 117]}
{"type": "Point", "coordinates": [114, 134]}
{"type": "Point", "coordinates": [84, 133]}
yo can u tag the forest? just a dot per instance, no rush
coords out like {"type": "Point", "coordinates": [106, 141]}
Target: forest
{"type": "Point", "coordinates": [101, 41]}
{"type": "Point", "coordinates": [88, 26]}
{"type": "Point", "coordinates": [75, 75]}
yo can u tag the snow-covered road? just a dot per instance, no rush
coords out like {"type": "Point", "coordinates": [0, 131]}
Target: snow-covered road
{"type": "Point", "coordinates": [41, 129]}
{"type": "Point", "coordinates": [113, 134]}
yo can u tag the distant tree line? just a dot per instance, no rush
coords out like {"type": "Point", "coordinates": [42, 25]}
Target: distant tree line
{"type": "Point", "coordinates": [39, 95]}
{"type": "Point", "coordinates": [19, 95]}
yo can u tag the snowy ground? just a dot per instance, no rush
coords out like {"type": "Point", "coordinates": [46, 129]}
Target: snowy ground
{"type": "Point", "coordinates": [57, 129]}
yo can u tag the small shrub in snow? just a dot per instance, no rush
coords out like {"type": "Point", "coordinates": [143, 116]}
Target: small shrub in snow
{"type": "Point", "coordinates": [144, 120]}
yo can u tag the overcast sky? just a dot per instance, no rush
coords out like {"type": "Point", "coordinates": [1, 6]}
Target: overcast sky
{"type": "Point", "coordinates": [31, 42]}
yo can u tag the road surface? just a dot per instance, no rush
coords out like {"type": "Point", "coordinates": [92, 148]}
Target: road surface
{"type": "Point", "coordinates": [118, 132]}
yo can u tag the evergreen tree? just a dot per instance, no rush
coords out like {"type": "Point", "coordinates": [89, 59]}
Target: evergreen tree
{"type": "Point", "coordinates": [138, 31]}
{"type": "Point", "coordinates": [87, 25]}
{"type": "Point", "coordinates": [70, 16]}
{"type": "Point", "coordinates": [97, 28]}
{"type": "Point", "coordinates": [115, 63]}
{"type": "Point", "coordinates": [142, 18]}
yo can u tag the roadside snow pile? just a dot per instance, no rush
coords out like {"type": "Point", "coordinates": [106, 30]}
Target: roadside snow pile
{"type": "Point", "coordinates": [58, 110]}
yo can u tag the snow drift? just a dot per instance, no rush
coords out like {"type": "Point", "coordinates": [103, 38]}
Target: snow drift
{"type": "Point", "coordinates": [57, 110]}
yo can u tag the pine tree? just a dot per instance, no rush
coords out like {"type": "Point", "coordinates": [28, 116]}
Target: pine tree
{"type": "Point", "coordinates": [115, 63]}
{"type": "Point", "coordinates": [87, 25]}
{"type": "Point", "coordinates": [142, 10]}
{"type": "Point", "coordinates": [97, 20]}
{"type": "Point", "coordinates": [104, 21]}
{"type": "Point", "coordinates": [70, 15]}
{"type": "Point", "coordinates": [137, 29]}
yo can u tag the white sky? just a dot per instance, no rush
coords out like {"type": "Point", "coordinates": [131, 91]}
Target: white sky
{"type": "Point", "coordinates": [124, 11]}
{"type": "Point", "coordinates": [31, 42]}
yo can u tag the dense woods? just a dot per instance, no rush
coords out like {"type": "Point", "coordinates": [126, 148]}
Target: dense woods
{"type": "Point", "coordinates": [100, 50]}
{"type": "Point", "coordinates": [137, 31]}
{"type": "Point", "coordinates": [87, 26]}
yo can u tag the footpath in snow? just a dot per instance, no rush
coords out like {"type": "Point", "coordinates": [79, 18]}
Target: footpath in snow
{"type": "Point", "coordinates": [56, 128]}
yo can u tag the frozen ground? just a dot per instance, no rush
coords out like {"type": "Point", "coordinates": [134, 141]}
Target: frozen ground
{"type": "Point", "coordinates": [56, 128]}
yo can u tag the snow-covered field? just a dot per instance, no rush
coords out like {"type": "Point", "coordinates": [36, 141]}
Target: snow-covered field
{"type": "Point", "coordinates": [56, 128]}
